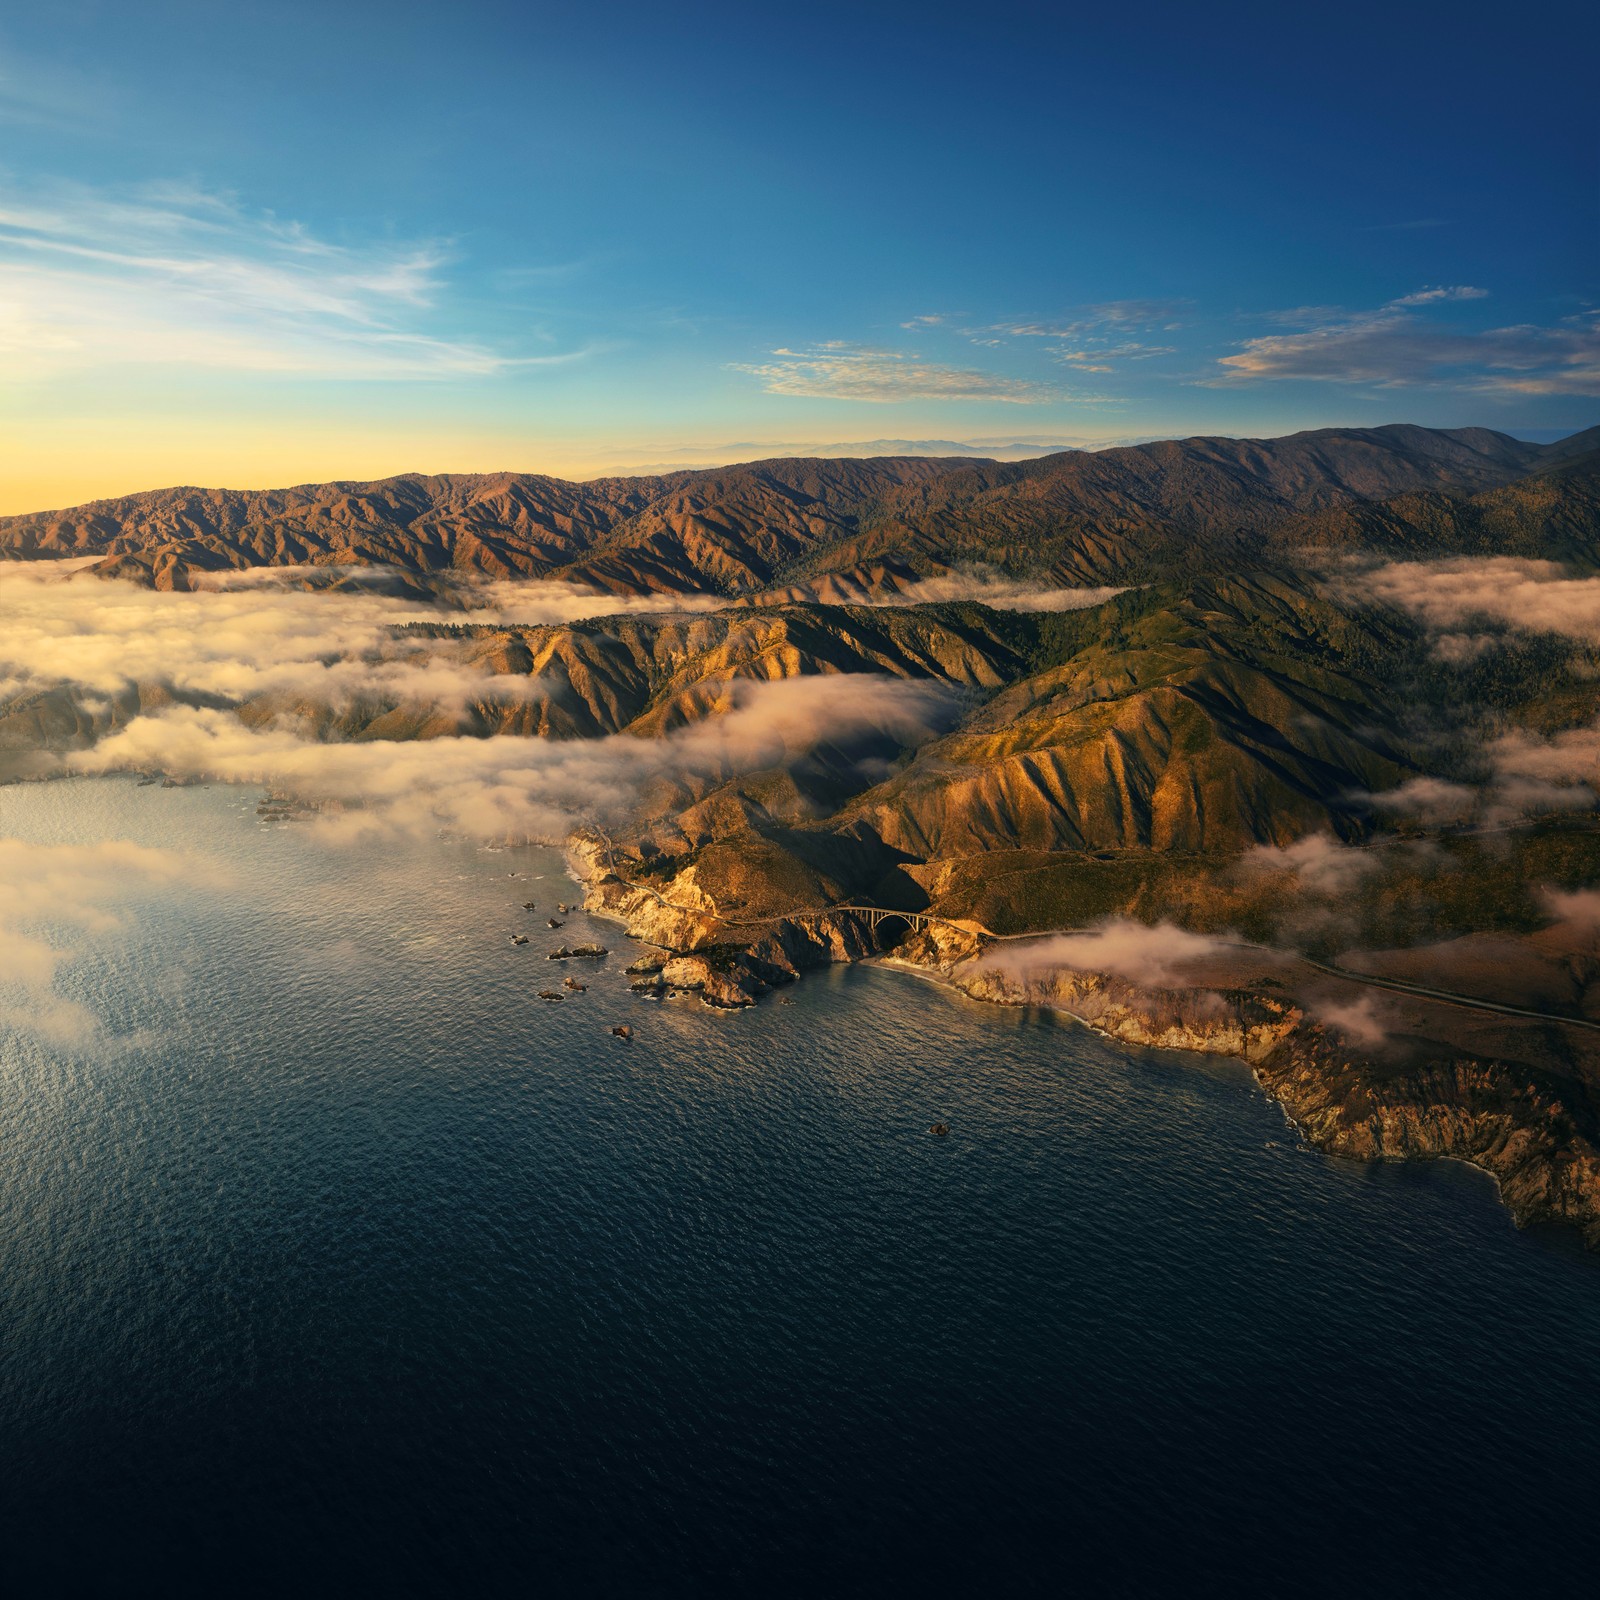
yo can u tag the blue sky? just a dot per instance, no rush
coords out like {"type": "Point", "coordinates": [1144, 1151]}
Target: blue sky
{"type": "Point", "coordinates": [255, 243]}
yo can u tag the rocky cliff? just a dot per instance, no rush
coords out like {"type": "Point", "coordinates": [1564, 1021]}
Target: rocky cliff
{"type": "Point", "coordinates": [1535, 1131]}
{"type": "Point", "coordinates": [1223, 735]}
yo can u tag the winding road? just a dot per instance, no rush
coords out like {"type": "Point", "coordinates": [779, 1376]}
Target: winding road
{"type": "Point", "coordinates": [967, 925]}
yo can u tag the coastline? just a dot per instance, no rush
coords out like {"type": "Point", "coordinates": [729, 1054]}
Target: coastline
{"type": "Point", "coordinates": [1453, 1089]}
{"type": "Point", "coordinates": [940, 980]}
{"type": "Point", "coordinates": [1466, 1096]}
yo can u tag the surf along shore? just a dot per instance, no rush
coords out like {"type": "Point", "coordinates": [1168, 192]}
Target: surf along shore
{"type": "Point", "coordinates": [1369, 1074]}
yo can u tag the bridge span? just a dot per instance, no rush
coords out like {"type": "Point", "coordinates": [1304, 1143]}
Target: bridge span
{"type": "Point", "coordinates": [919, 920]}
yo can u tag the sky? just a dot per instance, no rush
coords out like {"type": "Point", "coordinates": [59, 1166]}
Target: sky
{"type": "Point", "coordinates": [261, 243]}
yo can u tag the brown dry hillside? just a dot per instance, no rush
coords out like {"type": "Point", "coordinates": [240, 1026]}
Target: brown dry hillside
{"type": "Point", "coordinates": [1552, 514]}
{"type": "Point", "coordinates": [1124, 515]}
{"type": "Point", "coordinates": [1141, 512]}
{"type": "Point", "coordinates": [723, 529]}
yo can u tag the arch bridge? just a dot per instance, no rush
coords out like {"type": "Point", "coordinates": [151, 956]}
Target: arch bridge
{"type": "Point", "coordinates": [917, 919]}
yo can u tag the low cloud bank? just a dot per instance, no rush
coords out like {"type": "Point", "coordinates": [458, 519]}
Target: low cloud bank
{"type": "Point", "coordinates": [1434, 801]}
{"type": "Point", "coordinates": [541, 602]}
{"type": "Point", "coordinates": [981, 584]}
{"type": "Point", "coordinates": [528, 789]}
{"type": "Point", "coordinates": [1359, 1020]}
{"type": "Point", "coordinates": [233, 643]}
{"type": "Point", "coordinates": [1320, 863]}
{"type": "Point", "coordinates": [1004, 594]}
{"type": "Point", "coordinates": [1535, 596]}
{"type": "Point", "coordinates": [261, 632]}
{"type": "Point", "coordinates": [253, 637]}
{"type": "Point", "coordinates": [1153, 954]}
{"type": "Point", "coordinates": [1531, 775]}
{"type": "Point", "coordinates": [1568, 757]}
{"type": "Point", "coordinates": [50, 893]}
{"type": "Point", "coordinates": [1577, 910]}
{"type": "Point", "coordinates": [1469, 604]}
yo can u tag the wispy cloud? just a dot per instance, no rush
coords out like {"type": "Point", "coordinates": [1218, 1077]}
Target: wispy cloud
{"type": "Point", "coordinates": [1394, 347]}
{"type": "Point", "coordinates": [521, 789]}
{"type": "Point", "coordinates": [1094, 338]}
{"type": "Point", "coordinates": [1157, 954]}
{"type": "Point", "coordinates": [1431, 297]}
{"type": "Point", "coordinates": [721, 452]}
{"type": "Point", "coordinates": [171, 275]}
{"type": "Point", "coordinates": [1538, 596]}
{"type": "Point", "coordinates": [1108, 318]}
{"type": "Point", "coordinates": [839, 370]}
{"type": "Point", "coordinates": [1097, 337]}
{"type": "Point", "coordinates": [1098, 357]}
{"type": "Point", "coordinates": [54, 894]}
{"type": "Point", "coordinates": [38, 92]}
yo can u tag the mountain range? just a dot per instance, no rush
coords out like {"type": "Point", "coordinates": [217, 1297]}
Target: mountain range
{"type": "Point", "coordinates": [1131, 514]}
{"type": "Point", "coordinates": [1306, 691]}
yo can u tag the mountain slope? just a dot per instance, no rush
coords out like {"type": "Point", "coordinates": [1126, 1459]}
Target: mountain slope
{"type": "Point", "coordinates": [1213, 717]}
{"type": "Point", "coordinates": [690, 530]}
{"type": "Point", "coordinates": [1138, 513]}
{"type": "Point", "coordinates": [1133, 514]}
{"type": "Point", "coordinates": [1551, 515]}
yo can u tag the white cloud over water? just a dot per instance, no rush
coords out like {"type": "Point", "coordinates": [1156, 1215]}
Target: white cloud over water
{"type": "Point", "coordinates": [255, 633]}
{"type": "Point", "coordinates": [284, 649]}
{"type": "Point", "coordinates": [53, 896]}
{"type": "Point", "coordinates": [526, 788]}
{"type": "Point", "coordinates": [235, 643]}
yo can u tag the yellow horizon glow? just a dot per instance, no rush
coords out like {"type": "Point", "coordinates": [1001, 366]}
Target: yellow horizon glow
{"type": "Point", "coordinates": [58, 465]}
{"type": "Point", "coordinates": [48, 472]}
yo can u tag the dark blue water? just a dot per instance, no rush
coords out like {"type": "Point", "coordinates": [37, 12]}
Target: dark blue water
{"type": "Point", "coordinates": [339, 1263]}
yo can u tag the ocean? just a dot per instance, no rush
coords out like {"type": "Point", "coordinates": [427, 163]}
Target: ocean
{"type": "Point", "coordinates": [334, 1260]}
